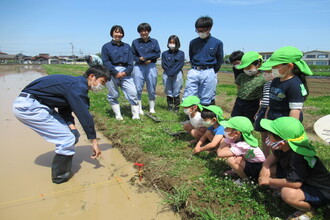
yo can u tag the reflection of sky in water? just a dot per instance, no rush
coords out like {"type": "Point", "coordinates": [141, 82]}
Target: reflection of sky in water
{"type": "Point", "coordinates": [12, 80]}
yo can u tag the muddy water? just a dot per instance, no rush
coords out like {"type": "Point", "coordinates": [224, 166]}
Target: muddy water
{"type": "Point", "coordinates": [99, 189]}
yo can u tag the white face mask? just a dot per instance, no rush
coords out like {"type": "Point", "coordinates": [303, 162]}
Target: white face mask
{"type": "Point", "coordinates": [276, 72]}
{"type": "Point", "coordinates": [171, 46]}
{"type": "Point", "coordinates": [202, 35]}
{"type": "Point", "coordinates": [97, 88]}
{"type": "Point", "coordinates": [268, 76]}
{"type": "Point", "coordinates": [187, 111]}
{"type": "Point", "coordinates": [207, 124]}
{"type": "Point", "coordinates": [251, 72]}
{"type": "Point", "coordinates": [236, 66]}
{"type": "Point", "coordinates": [227, 135]}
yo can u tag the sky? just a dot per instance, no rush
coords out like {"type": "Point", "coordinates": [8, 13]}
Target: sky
{"type": "Point", "coordinates": [43, 26]}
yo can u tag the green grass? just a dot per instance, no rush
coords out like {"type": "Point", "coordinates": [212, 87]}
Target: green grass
{"type": "Point", "coordinates": [193, 185]}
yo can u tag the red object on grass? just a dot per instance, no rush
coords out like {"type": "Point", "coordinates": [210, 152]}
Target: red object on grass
{"type": "Point", "coordinates": [139, 164]}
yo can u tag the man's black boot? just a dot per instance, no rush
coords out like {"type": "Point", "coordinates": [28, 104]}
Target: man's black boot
{"type": "Point", "coordinates": [169, 103]}
{"type": "Point", "coordinates": [176, 103]}
{"type": "Point", "coordinates": [61, 168]}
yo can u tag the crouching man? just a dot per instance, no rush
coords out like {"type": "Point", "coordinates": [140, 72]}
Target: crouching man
{"type": "Point", "coordinates": [46, 106]}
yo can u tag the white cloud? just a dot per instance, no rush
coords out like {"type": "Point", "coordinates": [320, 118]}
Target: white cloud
{"type": "Point", "coordinates": [239, 2]}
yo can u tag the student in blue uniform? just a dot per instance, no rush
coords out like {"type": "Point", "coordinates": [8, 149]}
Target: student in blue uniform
{"type": "Point", "coordinates": [118, 58]}
{"type": "Point", "coordinates": [206, 55]}
{"type": "Point", "coordinates": [146, 51]}
{"type": "Point", "coordinates": [46, 106]}
{"type": "Point", "coordinates": [289, 89]}
{"type": "Point", "coordinates": [172, 63]}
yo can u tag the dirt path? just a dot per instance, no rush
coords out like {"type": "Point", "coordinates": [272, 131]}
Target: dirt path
{"type": "Point", "coordinates": [99, 189]}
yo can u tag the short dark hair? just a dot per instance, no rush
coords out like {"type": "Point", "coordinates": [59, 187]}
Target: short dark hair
{"type": "Point", "coordinates": [176, 40]}
{"type": "Point", "coordinates": [207, 114]}
{"type": "Point", "coordinates": [98, 71]}
{"type": "Point", "coordinates": [144, 27]}
{"type": "Point", "coordinates": [204, 22]}
{"type": "Point", "coordinates": [115, 28]}
{"type": "Point", "coordinates": [236, 55]}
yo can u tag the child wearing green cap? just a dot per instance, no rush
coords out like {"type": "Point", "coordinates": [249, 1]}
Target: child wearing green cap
{"type": "Point", "coordinates": [249, 85]}
{"type": "Point", "coordinates": [192, 107]}
{"type": "Point", "coordinates": [264, 102]}
{"type": "Point", "coordinates": [211, 115]}
{"type": "Point", "coordinates": [240, 148]}
{"type": "Point", "coordinates": [303, 179]}
{"type": "Point", "coordinates": [289, 89]}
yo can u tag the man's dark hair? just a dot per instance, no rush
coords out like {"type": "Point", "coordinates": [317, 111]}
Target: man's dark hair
{"type": "Point", "coordinates": [207, 114]}
{"type": "Point", "coordinates": [236, 55]}
{"type": "Point", "coordinates": [176, 40]}
{"type": "Point", "coordinates": [144, 27]}
{"type": "Point", "coordinates": [117, 28]}
{"type": "Point", "coordinates": [204, 22]}
{"type": "Point", "coordinates": [98, 71]}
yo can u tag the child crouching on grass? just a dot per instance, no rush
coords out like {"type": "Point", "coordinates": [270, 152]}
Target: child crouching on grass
{"type": "Point", "coordinates": [240, 148]}
{"type": "Point", "coordinates": [192, 107]}
{"type": "Point", "coordinates": [212, 116]}
{"type": "Point", "coordinates": [294, 166]}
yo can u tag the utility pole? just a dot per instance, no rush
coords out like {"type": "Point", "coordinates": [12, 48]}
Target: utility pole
{"type": "Point", "coordinates": [72, 47]}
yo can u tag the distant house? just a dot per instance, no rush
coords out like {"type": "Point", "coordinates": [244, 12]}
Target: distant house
{"type": "Point", "coordinates": [265, 55]}
{"type": "Point", "coordinates": [7, 58]}
{"type": "Point", "coordinates": [317, 57]}
{"type": "Point", "coordinates": [42, 58]}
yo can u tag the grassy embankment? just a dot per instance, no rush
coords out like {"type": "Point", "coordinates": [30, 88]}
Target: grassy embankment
{"type": "Point", "coordinates": [194, 185]}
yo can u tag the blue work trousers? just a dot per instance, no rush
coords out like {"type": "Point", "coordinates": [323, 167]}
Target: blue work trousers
{"type": "Point", "coordinates": [172, 84]}
{"type": "Point", "coordinates": [126, 84]}
{"type": "Point", "coordinates": [201, 83]}
{"type": "Point", "coordinates": [46, 122]}
{"type": "Point", "coordinates": [145, 74]}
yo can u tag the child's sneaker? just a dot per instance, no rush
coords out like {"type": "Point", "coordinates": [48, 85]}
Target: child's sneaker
{"type": "Point", "coordinates": [301, 215]}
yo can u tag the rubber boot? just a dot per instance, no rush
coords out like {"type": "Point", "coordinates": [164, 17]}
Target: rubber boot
{"type": "Point", "coordinates": [61, 168]}
{"type": "Point", "coordinates": [135, 112]}
{"type": "Point", "coordinates": [176, 103]}
{"type": "Point", "coordinates": [169, 103]}
{"type": "Point", "coordinates": [152, 106]}
{"type": "Point", "coordinates": [140, 108]}
{"type": "Point", "coordinates": [116, 110]}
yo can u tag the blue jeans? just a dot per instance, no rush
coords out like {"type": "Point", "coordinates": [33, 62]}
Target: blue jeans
{"type": "Point", "coordinates": [46, 122]}
{"type": "Point", "coordinates": [145, 74]}
{"type": "Point", "coordinates": [172, 84]}
{"type": "Point", "coordinates": [126, 84]}
{"type": "Point", "coordinates": [201, 83]}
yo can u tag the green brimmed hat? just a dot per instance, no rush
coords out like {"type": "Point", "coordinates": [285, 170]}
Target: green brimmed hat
{"type": "Point", "coordinates": [216, 110]}
{"type": "Point", "coordinates": [244, 125]}
{"type": "Point", "coordinates": [190, 101]}
{"type": "Point", "coordinates": [287, 55]}
{"type": "Point", "coordinates": [248, 58]}
{"type": "Point", "coordinates": [291, 130]}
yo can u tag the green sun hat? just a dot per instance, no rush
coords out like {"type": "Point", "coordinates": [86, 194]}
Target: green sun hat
{"type": "Point", "coordinates": [248, 58]}
{"type": "Point", "coordinates": [216, 110]}
{"type": "Point", "coordinates": [287, 55]}
{"type": "Point", "coordinates": [244, 125]}
{"type": "Point", "coordinates": [190, 101]}
{"type": "Point", "coordinates": [291, 130]}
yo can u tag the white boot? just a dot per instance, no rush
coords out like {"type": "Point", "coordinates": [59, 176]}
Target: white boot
{"type": "Point", "coordinates": [116, 110]}
{"type": "Point", "coordinates": [152, 106]}
{"type": "Point", "coordinates": [135, 111]}
{"type": "Point", "coordinates": [140, 108]}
